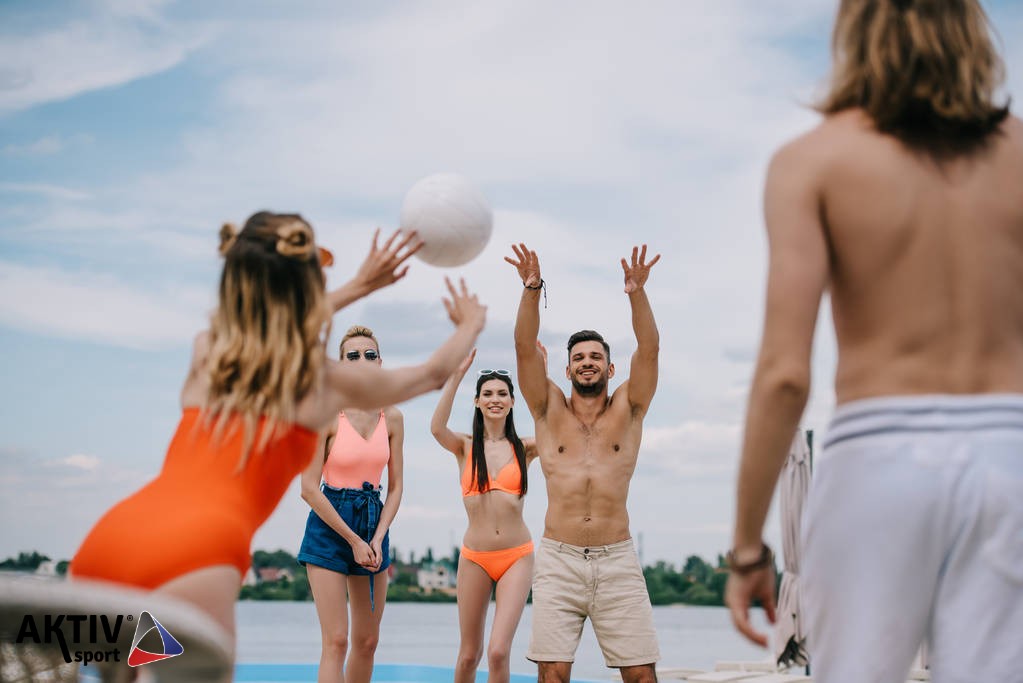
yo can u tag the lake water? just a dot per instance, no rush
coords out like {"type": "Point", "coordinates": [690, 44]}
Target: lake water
{"type": "Point", "coordinates": [427, 634]}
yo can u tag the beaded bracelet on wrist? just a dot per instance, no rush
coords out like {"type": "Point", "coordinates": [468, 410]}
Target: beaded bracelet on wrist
{"type": "Point", "coordinates": [766, 559]}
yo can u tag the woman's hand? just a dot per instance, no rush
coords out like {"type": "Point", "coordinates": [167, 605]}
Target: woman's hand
{"type": "Point", "coordinates": [364, 555]}
{"type": "Point", "coordinates": [377, 545]}
{"type": "Point", "coordinates": [382, 266]}
{"type": "Point", "coordinates": [464, 308]}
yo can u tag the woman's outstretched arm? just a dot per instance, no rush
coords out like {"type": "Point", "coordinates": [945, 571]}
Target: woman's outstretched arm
{"type": "Point", "coordinates": [383, 266]}
{"type": "Point", "coordinates": [367, 386]}
{"type": "Point", "coordinates": [450, 440]}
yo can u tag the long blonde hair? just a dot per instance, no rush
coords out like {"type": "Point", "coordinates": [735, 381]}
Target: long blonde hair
{"type": "Point", "coordinates": [267, 333]}
{"type": "Point", "coordinates": [925, 71]}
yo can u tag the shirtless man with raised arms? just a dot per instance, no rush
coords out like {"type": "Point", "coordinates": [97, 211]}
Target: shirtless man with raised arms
{"type": "Point", "coordinates": [586, 565]}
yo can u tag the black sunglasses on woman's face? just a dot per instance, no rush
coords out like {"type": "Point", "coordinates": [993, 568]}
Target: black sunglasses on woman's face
{"type": "Point", "coordinates": [368, 354]}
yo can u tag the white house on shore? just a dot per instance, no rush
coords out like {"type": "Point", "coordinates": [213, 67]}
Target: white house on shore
{"type": "Point", "coordinates": [46, 568]}
{"type": "Point", "coordinates": [436, 576]}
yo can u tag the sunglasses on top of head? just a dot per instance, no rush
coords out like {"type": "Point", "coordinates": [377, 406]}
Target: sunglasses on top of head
{"type": "Point", "coordinates": [503, 373]}
{"type": "Point", "coordinates": [368, 354]}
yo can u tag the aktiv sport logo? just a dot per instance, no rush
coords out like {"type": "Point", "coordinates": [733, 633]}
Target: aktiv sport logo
{"type": "Point", "coordinates": [138, 656]}
{"type": "Point", "coordinates": [88, 633]}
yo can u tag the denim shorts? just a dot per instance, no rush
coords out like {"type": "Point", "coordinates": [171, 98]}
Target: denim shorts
{"type": "Point", "coordinates": [324, 547]}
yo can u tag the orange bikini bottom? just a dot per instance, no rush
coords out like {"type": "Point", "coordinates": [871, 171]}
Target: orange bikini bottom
{"type": "Point", "coordinates": [496, 562]}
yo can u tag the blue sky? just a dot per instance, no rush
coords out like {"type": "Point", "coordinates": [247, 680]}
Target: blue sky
{"type": "Point", "coordinates": [130, 130]}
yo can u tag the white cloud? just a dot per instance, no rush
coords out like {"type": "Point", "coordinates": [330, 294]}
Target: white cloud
{"type": "Point", "coordinates": [51, 144]}
{"type": "Point", "coordinates": [55, 192]}
{"type": "Point", "coordinates": [81, 461]}
{"type": "Point", "coordinates": [82, 55]}
{"type": "Point", "coordinates": [56, 500]}
{"type": "Point", "coordinates": [1012, 51]}
{"type": "Point", "coordinates": [96, 307]}
{"type": "Point", "coordinates": [489, 91]}
{"type": "Point", "coordinates": [148, 10]}
{"type": "Point", "coordinates": [48, 145]}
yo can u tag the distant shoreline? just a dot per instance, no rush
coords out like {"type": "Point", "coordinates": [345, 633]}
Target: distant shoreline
{"type": "Point", "coordinates": [278, 576]}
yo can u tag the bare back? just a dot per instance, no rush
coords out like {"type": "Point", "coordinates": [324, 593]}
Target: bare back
{"type": "Point", "coordinates": [588, 463]}
{"type": "Point", "coordinates": [316, 411]}
{"type": "Point", "coordinates": [926, 261]}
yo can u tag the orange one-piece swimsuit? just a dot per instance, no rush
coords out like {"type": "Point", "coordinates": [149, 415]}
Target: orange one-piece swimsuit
{"type": "Point", "coordinates": [202, 510]}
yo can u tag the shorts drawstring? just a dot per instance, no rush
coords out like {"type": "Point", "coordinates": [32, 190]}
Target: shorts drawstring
{"type": "Point", "coordinates": [366, 505]}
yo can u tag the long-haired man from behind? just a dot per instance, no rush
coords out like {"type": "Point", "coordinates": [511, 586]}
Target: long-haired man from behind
{"type": "Point", "coordinates": [905, 204]}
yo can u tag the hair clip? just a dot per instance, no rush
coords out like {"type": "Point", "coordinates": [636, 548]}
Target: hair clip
{"type": "Point", "coordinates": [295, 239]}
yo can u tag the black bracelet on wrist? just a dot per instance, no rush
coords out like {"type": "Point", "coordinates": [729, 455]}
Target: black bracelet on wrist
{"type": "Point", "coordinates": [543, 286]}
{"type": "Point", "coordinates": [766, 559]}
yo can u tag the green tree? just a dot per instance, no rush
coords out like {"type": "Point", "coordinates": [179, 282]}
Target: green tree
{"type": "Point", "coordinates": [404, 578]}
{"type": "Point", "coordinates": [281, 559]}
{"type": "Point", "coordinates": [295, 588]}
{"type": "Point", "coordinates": [697, 584]}
{"type": "Point", "coordinates": [696, 569]}
{"type": "Point", "coordinates": [24, 562]}
{"type": "Point", "coordinates": [717, 585]}
{"type": "Point", "coordinates": [698, 594]}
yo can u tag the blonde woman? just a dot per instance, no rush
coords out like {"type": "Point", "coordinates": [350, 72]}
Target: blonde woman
{"type": "Point", "coordinates": [345, 548]}
{"type": "Point", "coordinates": [259, 392]}
{"type": "Point", "coordinates": [497, 551]}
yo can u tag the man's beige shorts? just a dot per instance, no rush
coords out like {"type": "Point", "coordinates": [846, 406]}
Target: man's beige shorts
{"type": "Point", "coordinates": [604, 583]}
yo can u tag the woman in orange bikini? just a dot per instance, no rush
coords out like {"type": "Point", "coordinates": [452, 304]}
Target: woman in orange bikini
{"type": "Point", "coordinates": [259, 392]}
{"type": "Point", "coordinates": [496, 548]}
{"type": "Point", "coordinates": [346, 544]}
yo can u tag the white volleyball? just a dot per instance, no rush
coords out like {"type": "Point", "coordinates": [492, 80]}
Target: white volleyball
{"type": "Point", "coordinates": [451, 216]}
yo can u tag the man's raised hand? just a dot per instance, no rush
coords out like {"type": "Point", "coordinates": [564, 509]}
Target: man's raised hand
{"type": "Point", "coordinates": [638, 270]}
{"type": "Point", "coordinates": [528, 265]}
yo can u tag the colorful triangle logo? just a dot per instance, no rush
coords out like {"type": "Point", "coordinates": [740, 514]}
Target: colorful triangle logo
{"type": "Point", "coordinates": [138, 656]}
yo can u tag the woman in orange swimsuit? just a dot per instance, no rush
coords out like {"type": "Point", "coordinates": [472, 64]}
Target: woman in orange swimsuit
{"type": "Point", "coordinates": [259, 392]}
{"type": "Point", "coordinates": [497, 548]}
{"type": "Point", "coordinates": [345, 548]}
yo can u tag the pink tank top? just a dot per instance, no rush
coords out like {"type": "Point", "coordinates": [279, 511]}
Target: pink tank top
{"type": "Point", "coordinates": [353, 460]}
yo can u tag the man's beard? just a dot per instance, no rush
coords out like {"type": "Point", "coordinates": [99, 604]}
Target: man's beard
{"type": "Point", "coordinates": [594, 389]}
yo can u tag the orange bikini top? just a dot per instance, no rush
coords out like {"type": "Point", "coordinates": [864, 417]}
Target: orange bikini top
{"type": "Point", "coordinates": [353, 459]}
{"type": "Point", "coordinates": [508, 479]}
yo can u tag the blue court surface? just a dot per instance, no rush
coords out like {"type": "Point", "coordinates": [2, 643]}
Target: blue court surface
{"type": "Point", "coordinates": [384, 673]}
